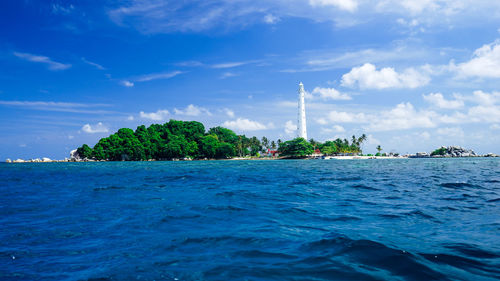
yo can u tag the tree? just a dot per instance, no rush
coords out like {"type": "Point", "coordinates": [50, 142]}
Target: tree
{"type": "Point", "coordinates": [224, 150]}
{"type": "Point", "coordinates": [298, 147]}
{"type": "Point", "coordinates": [265, 142]}
{"type": "Point", "coordinates": [208, 146]}
{"type": "Point", "coordinates": [224, 135]}
{"type": "Point", "coordinates": [379, 148]}
{"type": "Point", "coordinates": [328, 148]}
{"type": "Point", "coordinates": [85, 151]}
{"type": "Point", "coordinates": [255, 146]}
{"type": "Point", "coordinates": [179, 139]}
{"type": "Point", "coordinates": [313, 143]}
{"type": "Point", "coordinates": [440, 151]}
{"type": "Point", "coordinates": [191, 149]}
{"type": "Point", "coordinates": [360, 142]}
{"type": "Point", "coordinates": [175, 147]}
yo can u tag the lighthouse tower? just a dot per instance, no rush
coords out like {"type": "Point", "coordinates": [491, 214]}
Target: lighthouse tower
{"type": "Point", "coordinates": [301, 128]}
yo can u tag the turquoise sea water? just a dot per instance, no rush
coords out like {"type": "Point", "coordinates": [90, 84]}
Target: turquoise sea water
{"type": "Point", "coordinates": [408, 219]}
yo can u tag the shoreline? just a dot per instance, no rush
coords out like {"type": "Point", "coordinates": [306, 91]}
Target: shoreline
{"type": "Point", "coordinates": [46, 160]}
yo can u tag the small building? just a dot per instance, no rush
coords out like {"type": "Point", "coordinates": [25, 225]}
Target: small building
{"type": "Point", "coordinates": [272, 153]}
{"type": "Point", "coordinates": [317, 153]}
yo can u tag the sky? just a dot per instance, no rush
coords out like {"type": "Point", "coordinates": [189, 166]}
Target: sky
{"type": "Point", "coordinates": [411, 74]}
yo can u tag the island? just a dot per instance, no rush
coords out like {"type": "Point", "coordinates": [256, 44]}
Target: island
{"type": "Point", "coordinates": [189, 140]}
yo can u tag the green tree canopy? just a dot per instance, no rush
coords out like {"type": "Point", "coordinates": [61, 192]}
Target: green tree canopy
{"type": "Point", "coordinates": [181, 139]}
{"type": "Point", "coordinates": [298, 147]}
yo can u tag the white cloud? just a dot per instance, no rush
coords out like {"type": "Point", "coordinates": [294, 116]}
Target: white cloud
{"type": "Point", "coordinates": [495, 127]}
{"type": "Point", "coordinates": [417, 6]}
{"type": "Point", "coordinates": [58, 106]}
{"type": "Point", "coordinates": [402, 117]}
{"type": "Point", "coordinates": [483, 98]}
{"type": "Point", "coordinates": [371, 140]}
{"type": "Point", "coordinates": [70, 137]}
{"type": "Point", "coordinates": [96, 65]}
{"type": "Point", "coordinates": [329, 93]}
{"type": "Point", "coordinates": [231, 64]}
{"type": "Point", "coordinates": [409, 23]}
{"type": "Point", "coordinates": [425, 135]}
{"type": "Point", "coordinates": [271, 19]}
{"type": "Point", "coordinates": [160, 115]}
{"type": "Point", "coordinates": [485, 113]}
{"type": "Point", "coordinates": [456, 118]}
{"type": "Point", "coordinates": [159, 16]}
{"type": "Point", "coordinates": [156, 76]}
{"type": "Point", "coordinates": [228, 75]}
{"type": "Point", "coordinates": [191, 63]}
{"type": "Point", "coordinates": [439, 101]}
{"type": "Point", "coordinates": [405, 116]}
{"type": "Point", "coordinates": [242, 124]}
{"type": "Point", "coordinates": [130, 118]}
{"type": "Point", "coordinates": [426, 8]}
{"type": "Point", "coordinates": [484, 63]}
{"type": "Point", "coordinates": [93, 129]}
{"type": "Point", "coordinates": [326, 59]}
{"type": "Point", "coordinates": [290, 128]}
{"type": "Point", "coordinates": [127, 83]}
{"type": "Point", "coordinates": [229, 112]}
{"type": "Point", "coordinates": [333, 129]}
{"type": "Point", "coordinates": [50, 103]}
{"type": "Point", "coordinates": [321, 121]}
{"type": "Point", "coordinates": [487, 109]}
{"type": "Point", "coordinates": [346, 117]}
{"type": "Point", "coordinates": [150, 77]}
{"type": "Point", "coordinates": [63, 10]}
{"type": "Point", "coordinates": [368, 77]}
{"type": "Point", "coordinates": [192, 110]}
{"type": "Point", "coordinates": [451, 132]}
{"type": "Point", "coordinates": [347, 5]}
{"type": "Point", "coordinates": [53, 65]}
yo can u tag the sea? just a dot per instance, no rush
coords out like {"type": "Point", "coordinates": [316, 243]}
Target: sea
{"type": "Point", "coordinates": [393, 219]}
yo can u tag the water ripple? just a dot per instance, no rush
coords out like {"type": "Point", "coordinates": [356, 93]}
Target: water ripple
{"type": "Point", "coordinates": [413, 219]}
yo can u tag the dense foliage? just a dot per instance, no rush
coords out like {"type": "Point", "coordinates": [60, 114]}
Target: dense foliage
{"type": "Point", "coordinates": [174, 139]}
{"type": "Point", "coordinates": [298, 147]}
{"type": "Point", "coordinates": [340, 146]}
{"type": "Point", "coordinates": [440, 151]}
{"type": "Point", "coordinates": [188, 139]}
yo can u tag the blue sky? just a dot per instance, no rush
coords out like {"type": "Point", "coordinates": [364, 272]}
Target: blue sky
{"type": "Point", "coordinates": [411, 74]}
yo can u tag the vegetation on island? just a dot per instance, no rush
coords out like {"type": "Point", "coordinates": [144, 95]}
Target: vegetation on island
{"type": "Point", "coordinates": [439, 152]}
{"type": "Point", "coordinates": [189, 139]}
{"type": "Point", "coordinates": [298, 147]}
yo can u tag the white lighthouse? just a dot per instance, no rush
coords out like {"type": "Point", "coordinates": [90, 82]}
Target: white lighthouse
{"type": "Point", "coordinates": [301, 128]}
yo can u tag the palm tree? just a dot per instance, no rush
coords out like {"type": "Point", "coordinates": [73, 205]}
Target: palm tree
{"type": "Point", "coordinates": [313, 142]}
{"type": "Point", "coordinates": [360, 141]}
{"type": "Point", "coordinates": [379, 148]}
{"type": "Point", "coordinates": [265, 142]}
{"type": "Point", "coordinates": [273, 145]}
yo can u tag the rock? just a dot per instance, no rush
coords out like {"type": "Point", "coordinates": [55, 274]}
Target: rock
{"type": "Point", "coordinates": [8, 160]}
{"type": "Point", "coordinates": [46, 159]}
{"type": "Point", "coordinates": [74, 156]}
{"type": "Point", "coordinates": [456, 151]}
{"type": "Point", "coordinates": [19, 161]}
